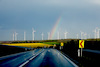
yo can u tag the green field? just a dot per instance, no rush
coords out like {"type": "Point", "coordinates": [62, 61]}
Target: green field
{"type": "Point", "coordinates": [52, 43]}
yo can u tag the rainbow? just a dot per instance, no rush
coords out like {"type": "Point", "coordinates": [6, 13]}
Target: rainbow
{"type": "Point", "coordinates": [54, 29]}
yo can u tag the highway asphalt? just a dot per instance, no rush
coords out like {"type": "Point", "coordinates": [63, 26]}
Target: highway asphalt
{"type": "Point", "coordinates": [93, 51]}
{"type": "Point", "coordinates": [37, 58]}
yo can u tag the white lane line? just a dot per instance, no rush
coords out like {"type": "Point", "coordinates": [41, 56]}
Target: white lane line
{"type": "Point", "coordinates": [58, 54]}
{"type": "Point", "coordinates": [29, 59]}
{"type": "Point", "coordinates": [24, 63]}
{"type": "Point", "coordinates": [48, 50]}
{"type": "Point", "coordinates": [70, 61]}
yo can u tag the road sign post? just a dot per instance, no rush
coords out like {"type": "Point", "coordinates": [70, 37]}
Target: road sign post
{"type": "Point", "coordinates": [81, 52]}
{"type": "Point", "coordinates": [78, 52]}
{"type": "Point", "coordinates": [54, 46]}
{"type": "Point", "coordinates": [81, 45]}
{"type": "Point", "coordinates": [61, 45]}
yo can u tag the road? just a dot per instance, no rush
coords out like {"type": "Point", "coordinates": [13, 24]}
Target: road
{"type": "Point", "coordinates": [93, 51]}
{"type": "Point", "coordinates": [37, 58]}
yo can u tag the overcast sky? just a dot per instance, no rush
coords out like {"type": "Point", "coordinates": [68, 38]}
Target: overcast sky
{"type": "Point", "coordinates": [23, 15]}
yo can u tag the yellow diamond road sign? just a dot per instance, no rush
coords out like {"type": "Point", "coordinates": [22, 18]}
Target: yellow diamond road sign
{"type": "Point", "coordinates": [62, 44]}
{"type": "Point", "coordinates": [81, 43]}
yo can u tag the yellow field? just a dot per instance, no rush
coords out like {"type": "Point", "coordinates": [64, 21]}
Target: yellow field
{"type": "Point", "coordinates": [32, 45]}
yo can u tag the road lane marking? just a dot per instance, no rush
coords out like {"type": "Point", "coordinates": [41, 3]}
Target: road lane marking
{"type": "Point", "coordinates": [30, 59]}
{"type": "Point", "coordinates": [42, 53]}
{"type": "Point", "coordinates": [27, 61]}
{"type": "Point", "coordinates": [58, 53]}
{"type": "Point", "coordinates": [24, 63]}
{"type": "Point", "coordinates": [70, 61]}
{"type": "Point", "coordinates": [48, 50]}
{"type": "Point", "coordinates": [67, 59]}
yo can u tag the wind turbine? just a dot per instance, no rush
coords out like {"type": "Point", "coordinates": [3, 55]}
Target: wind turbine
{"type": "Point", "coordinates": [42, 35]}
{"type": "Point", "coordinates": [16, 35]}
{"type": "Point", "coordinates": [94, 33]}
{"type": "Point", "coordinates": [13, 36]}
{"type": "Point", "coordinates": [77, 36]}
{"type": "Point", "coordinates": [65, 34]}
{"type": "Point", "coordinates": [33, 31]}
{"type": "Point", "coordinates": [48, 35]}
{"type": "Point", "coordinates": [24, 35]}
{"type": "Point", "coordinates": [82, 34]}
{"type": "Point", "coordinates": [98, 32]}
{"type": "Point", "coordinates": [88, 35]}
{"type": "Point", "coordinates": [85, 35]}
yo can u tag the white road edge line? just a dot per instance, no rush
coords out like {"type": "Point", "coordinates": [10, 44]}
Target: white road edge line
{"type": "Point", "coordinates": [70, 61]}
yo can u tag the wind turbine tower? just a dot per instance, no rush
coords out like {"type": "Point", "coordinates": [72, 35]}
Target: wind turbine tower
{"type": "Point", "coordinates": [82, 34]}
{"type": "Point", "coordinates": [48, 35]}
{"type": "Point", "coordinates": [42, 35]}
{"type": "Point", "coordinates": [94, 33]}
{"type": "Point", "coordinates": [88, 35]}
{"type": "Point", "coordinates": [85, 35]}
{"type": "Point", "coordinates": [98, 30]}
{"type": "Point", "coordinates": [24, 35]}
{"type": "Point", "coordinates": [77, 36]}
{"type": "Point", "coordinates": [98, 33]}
{"type": "Point", "coordinates": [65, 34]}
{"type": "Point", "coordinates": [16, 35]}
{"type": "Point", "coordinates": [13, 36]}
{"type": "Point", "coordinates": [33, 31]}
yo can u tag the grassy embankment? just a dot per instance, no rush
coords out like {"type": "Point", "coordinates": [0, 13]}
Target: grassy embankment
{"type": "Point", "coordinates": [89, 58]}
